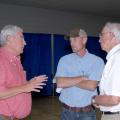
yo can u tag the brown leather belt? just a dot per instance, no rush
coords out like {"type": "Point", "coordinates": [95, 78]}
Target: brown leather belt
{"type": "Point", "coordinates": [79, 109]}
{"type": "Point", "coordinates": [4, 117]}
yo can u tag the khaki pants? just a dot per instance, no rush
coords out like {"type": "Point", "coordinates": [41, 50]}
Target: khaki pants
{"type": "Point", "coordinates": [111, 117]}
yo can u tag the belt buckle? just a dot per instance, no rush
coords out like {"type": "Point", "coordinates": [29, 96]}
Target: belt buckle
{"type": "Point", "coordinates": [78, 110]}
{"type": "Point", "coordinates": [84, 109]}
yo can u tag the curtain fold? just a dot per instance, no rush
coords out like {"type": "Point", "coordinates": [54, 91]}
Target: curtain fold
{"type": "Point", "coordinates": [36, 58]}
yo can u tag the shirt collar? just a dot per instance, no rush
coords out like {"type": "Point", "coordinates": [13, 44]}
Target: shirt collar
{"type": "Point", "coordinates": [8, 54]}
{"type": "Point", "coordinates": [113, 51]}
{"type": "Point", "coordinates": [84, 55]}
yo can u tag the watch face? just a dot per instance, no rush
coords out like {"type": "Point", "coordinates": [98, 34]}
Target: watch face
{"type": "Point", "coordinates": [93, 100]}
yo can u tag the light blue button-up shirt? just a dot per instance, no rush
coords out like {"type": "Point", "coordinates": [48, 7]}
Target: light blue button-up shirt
{"type": "Point", "coordinates": [73, 65]}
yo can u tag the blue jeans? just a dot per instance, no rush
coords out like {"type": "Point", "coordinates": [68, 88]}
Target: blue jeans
{"type": "Point", "coordinates": [70, 115]}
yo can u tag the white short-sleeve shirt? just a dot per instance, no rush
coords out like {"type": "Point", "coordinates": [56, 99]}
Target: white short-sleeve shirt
{"type": "Point", "coordinates": [110, 81]}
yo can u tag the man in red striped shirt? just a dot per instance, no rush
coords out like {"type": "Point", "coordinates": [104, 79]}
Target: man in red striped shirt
{"type": "Point", "coordinates": [15, 90]}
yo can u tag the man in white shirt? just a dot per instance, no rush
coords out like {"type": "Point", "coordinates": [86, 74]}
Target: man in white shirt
{"type": "Point", "coordinates": [109, 98]}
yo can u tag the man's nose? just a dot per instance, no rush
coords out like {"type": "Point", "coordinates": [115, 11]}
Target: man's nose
{"type": "Point", "coordinates": [24, 42]}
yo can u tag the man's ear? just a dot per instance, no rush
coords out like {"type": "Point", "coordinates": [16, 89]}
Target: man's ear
{"type": "Point", "coordinates": [8, 39]}
{"type": "Point", "coordinates": [113, 39]}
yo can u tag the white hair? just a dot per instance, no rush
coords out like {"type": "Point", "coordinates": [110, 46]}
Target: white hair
{"type": "Point", "coordinates": [115, 29]}
{"type": "Point", "coordinates": [6, 31]}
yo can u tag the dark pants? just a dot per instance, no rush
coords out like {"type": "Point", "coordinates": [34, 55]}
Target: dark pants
{"type": "Point", "coordinates": [70, 115]}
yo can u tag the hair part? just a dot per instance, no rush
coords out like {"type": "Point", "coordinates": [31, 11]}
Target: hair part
{"type": "Point", "coordinates": [6, 31]}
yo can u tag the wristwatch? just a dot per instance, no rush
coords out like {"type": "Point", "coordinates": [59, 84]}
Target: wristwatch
{"type": "Point", "coordinates": [94, 102]}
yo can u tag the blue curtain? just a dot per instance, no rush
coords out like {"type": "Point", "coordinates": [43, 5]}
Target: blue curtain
{"type": "Point", "coordinates": [61, 48]}
{"type": "Point", "coordinates": [93, 46]}
{"type": "Point", "coordinates": [36, 58]}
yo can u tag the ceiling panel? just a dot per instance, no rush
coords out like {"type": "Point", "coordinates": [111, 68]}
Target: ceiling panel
{"type": "Point", "coordinates": [108, 8]}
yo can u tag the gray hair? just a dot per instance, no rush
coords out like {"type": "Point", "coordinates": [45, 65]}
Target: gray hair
{"type": "Point", "coordinates": [6, 31]}
{"type": "Point", "coordinates": [115, 29]}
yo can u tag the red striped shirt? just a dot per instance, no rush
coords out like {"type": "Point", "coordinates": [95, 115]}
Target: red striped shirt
{"type": "Point", "coordinates": [12, 74]}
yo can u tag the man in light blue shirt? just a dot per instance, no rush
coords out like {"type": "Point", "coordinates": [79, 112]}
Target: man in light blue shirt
{"type": "Point", "coordinates": [78, 75]}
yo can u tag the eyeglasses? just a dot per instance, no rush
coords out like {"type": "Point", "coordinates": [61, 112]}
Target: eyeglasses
{"type": "Point", "coordinates": [102, 34]}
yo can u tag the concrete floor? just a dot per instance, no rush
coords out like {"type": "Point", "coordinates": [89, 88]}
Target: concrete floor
{"type": "Point", "coordinates": [48, 108]}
